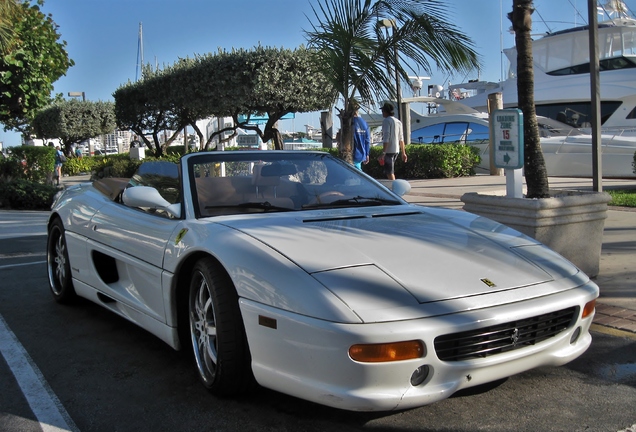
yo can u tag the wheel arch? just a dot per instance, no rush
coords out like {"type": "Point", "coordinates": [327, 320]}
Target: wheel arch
{"type": "Point", "coordinates": [52, 218]}
{"type": "Point", "coordinates": [179, 296]}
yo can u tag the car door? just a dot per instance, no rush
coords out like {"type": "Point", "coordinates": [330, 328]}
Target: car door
{"type": "Point", "coordinates": [126, 252]}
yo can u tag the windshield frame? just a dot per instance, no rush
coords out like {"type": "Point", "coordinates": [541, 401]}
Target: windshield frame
{"type": "Point", "coordinates": [254, 182]}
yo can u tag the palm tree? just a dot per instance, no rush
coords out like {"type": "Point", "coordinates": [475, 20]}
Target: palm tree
{"type": "Point", "coordinates": [354, 51]}
{"type": "Point", "coordinates": [534, 163]}
{"type": "Point", "coordinates": [9, 9]}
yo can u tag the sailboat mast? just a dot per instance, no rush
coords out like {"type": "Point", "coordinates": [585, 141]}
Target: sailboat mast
{"type": "Point", "coordinates": [140, 53]}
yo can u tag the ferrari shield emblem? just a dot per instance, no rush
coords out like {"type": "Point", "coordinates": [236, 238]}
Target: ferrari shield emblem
{"type": "Point", "coordinates": [488, 282]}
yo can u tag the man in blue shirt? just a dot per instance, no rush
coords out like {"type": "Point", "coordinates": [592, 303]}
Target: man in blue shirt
{"type": "Point", "coordinates": [361, 140]}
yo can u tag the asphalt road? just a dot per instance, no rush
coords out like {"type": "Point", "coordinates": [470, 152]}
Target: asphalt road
{"type": "Point", "coordinates": [83, 368]}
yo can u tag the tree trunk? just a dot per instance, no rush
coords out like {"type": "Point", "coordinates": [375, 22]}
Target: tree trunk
{"type": "Point", "coordinates": [278, 139]}
{"type": "Point", "coordinates": [534, 163]}
{"type": "Point", "coordinates": [345, 144]}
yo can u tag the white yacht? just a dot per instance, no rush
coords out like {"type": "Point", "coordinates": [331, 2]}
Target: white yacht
{"type": "Point", "coordinates": [567, 150]}
{"type": "Point", "coordinates": [562, 74]}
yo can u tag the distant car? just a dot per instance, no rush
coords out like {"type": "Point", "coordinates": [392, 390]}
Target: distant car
{"type": "Point", "coordinates": [298, 272]}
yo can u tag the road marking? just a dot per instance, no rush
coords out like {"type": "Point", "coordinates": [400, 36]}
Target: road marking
{"type": "Point", "coordinates": [44, 404]}
{"type": "Point", "coordinates": [21, 265]}
{"type": "Point", "coordinates": [20, 235]}
{"type": "Point", "coordinates": [21, 255]}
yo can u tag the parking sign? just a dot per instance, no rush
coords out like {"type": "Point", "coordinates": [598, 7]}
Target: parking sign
{"type": "Point", "coordinates": [507, 127]}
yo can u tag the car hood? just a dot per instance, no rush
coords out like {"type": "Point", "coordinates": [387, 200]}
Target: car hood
{"type": "Point", "coordinates": [434, 255]}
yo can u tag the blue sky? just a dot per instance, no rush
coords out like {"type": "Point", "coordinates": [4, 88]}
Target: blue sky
{"type": "Point", "coordinates": [102, 36]}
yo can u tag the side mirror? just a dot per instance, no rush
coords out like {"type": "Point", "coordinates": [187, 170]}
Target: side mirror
{"type": "Point", "coordinates": [149, 197]}
{"type": "Point", "coordinates": [399, 187]}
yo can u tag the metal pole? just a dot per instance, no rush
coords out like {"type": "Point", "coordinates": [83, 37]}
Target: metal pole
{"type": "Point", "coordinates": [595, 90]}
{"type": "Point", "coordinates": [495, 102]}
{"type": "Point", "coordinates": [398, 89]}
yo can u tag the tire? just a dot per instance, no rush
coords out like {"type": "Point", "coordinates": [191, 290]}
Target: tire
{"type": "Point", "coordinates": [58, 265]}
{"type": "Point", "coordinates": [217, 333]}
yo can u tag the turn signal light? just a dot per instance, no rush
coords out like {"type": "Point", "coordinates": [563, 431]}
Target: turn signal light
{"type": "Point", "coordinates": [589, 309]}
{"type": "Point", "coordinates": [387, 352]}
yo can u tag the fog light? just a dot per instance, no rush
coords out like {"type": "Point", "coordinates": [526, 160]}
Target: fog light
{"type": "Point", "coordinates": [575, 335]}
{"type": "Point", "coordinates": [420, 374]}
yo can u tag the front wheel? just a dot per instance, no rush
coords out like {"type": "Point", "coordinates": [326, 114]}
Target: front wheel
{"type": "Point", "coordinates": [58, 264]}
{"type": "Point", "coordinates": [221, 353]}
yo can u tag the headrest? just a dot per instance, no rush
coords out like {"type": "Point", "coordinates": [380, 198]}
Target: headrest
{"type": "Point", "coordinates": [277, 170]}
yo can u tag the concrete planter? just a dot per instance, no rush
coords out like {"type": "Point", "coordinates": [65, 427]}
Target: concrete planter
{"type": "Point", "coordinates": [569, 222]}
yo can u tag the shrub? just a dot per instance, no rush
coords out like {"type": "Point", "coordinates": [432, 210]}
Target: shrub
{"type": "Point", "coordinates": [31, 163]}
{"type": "Point", "coordinates": [11, 168]}
{"type": "Point", "coordinates": [428, 161]}
{"type": "Point", "coordinates": [121, 165]}
{"type": "Point", "coordinates": [75, 166]}
{"type": "Point", "coordinates": [21, 194]}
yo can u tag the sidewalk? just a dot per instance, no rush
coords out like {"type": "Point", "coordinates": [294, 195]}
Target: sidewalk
{"type": "Point", "coordinates": [616, 306]}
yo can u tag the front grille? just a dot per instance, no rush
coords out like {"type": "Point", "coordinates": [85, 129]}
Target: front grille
{"type": "Point", "coordinates": [501, 338]}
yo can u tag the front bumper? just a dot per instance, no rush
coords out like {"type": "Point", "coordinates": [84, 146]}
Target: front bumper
{"type": "Point", "coordinates": [308, 358]}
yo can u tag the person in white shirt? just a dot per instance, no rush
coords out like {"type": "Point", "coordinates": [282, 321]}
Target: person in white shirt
{"type": "Point", "coordinates": [392, 140]}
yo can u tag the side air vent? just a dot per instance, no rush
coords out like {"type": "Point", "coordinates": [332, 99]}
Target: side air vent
{"type": "Point", "coordinates": [106, 267]}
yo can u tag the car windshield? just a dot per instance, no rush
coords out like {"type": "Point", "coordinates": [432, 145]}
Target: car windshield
{"type": "Point", "coordinates": [238, 182]}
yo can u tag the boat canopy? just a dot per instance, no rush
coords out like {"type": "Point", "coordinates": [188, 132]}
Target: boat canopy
{"type": "Point", "coordinates": [567, 52]}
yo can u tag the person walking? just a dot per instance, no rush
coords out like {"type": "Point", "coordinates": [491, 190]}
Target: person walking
{"type": "Point", "coordinates": [392, 141]}
{"type": "Point", "coordinates": [361, 140]}
{"type": "Point", "coordinates": [59, 161]}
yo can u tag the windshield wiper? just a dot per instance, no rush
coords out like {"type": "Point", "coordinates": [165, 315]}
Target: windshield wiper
{"type": "Point", "coordinates": [264, 205]}
{"type": "Point", "coordinates": [358, 201]}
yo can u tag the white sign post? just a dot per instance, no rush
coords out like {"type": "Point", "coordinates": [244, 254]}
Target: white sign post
{"type": "Point", "coordinates": [507, 125]}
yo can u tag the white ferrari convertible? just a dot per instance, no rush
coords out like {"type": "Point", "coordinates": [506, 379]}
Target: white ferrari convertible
{"type": "Point", "coordinates": [299, 273]}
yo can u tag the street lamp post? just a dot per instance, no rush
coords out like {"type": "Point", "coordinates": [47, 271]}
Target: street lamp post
{"type": "Point", "coordinates": [83, 96]}
{"type": "Point", "coordinates": [390, 23]}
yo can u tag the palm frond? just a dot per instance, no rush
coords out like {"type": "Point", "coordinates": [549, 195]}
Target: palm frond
{"type": "Point", "coordinates": [354, 51]}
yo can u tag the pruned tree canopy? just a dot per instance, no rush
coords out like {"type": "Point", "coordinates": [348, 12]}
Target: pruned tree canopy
{"type": "Point", "coordinates": [75, 121]}
{"type": "Point", "coordinates": [259, 81]}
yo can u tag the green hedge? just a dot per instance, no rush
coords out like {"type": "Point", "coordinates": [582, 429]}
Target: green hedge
{"type": "Point", "coordinates": [425, 161]}
{"type": "Point", "coordinates": [121, 165]}
{"type": "Point", "coordinates": [29, 163]}
{"type": "Point", "coordinates": [21, 194]}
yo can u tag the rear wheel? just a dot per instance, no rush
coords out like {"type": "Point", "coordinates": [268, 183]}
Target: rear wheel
{"type": "Point", "coordinates": [58, 265]}
{"type": "Point", "coordinates": [217, 333]}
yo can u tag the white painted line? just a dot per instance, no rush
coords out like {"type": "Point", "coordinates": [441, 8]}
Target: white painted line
{"type": "Point", "coordinates": [45, 405]}
{"type": "Point", "coordinates": [21, 265]}
{"type": "Point", "coordinates": [21, 234]}
{"type": "Point", "coordinates": [22, 255]}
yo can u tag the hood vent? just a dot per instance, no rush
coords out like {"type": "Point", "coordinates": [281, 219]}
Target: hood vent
{"type": "Point", "coordinates": [351, 217]}
{"type": "Point", "coordinates": [411, 213]}
{"type": "Point", "coordinates": [334, 218]}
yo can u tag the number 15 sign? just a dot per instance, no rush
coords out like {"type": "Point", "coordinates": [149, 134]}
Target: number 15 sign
{"type": "Point", "coordinates": [507, 125]}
